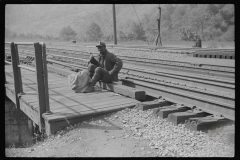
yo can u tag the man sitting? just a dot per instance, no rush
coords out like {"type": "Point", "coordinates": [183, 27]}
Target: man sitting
{"type": "Point", "coordinates": [107, 67]}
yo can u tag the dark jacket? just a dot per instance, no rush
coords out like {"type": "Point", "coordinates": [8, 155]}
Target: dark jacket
{"type": "Point", "coordinates": [109, 62]}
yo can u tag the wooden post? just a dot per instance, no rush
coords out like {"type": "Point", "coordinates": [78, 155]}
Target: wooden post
{"type": "Point", "coordinates": [16, 73]}
{"type": "Point", "coordinates": [45, 74]}
{"type": "Point", "coordinates": [40, 84]}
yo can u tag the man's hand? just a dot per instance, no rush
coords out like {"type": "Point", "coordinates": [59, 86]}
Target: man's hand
{"type": "Point", "coordinates": [90, 57]}
{"type": "Point", "coordinates": [110, 72]}
{"type": "Point", "coordinates": [92, 60]}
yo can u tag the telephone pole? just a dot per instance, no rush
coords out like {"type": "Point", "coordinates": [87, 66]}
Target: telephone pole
{"type": "Point", "coordinates": [114, 25]}
{"type": "Point", "coordinates": [159, 22]}
{"type": "Point", "coordinates": [158, 41]}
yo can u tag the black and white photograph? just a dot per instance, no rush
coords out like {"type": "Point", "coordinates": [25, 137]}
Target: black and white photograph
{"type": "Point", "coordinates": [119, 80]}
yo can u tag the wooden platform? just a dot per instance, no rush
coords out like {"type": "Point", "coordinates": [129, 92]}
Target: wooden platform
{"type": "Point", "coordinates": [67, 107]}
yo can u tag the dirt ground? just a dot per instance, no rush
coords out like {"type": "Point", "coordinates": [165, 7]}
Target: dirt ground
{"type": "Point", "coordinates": [103, 136]}
{"type": "Point", "coordinates": [131, 133]}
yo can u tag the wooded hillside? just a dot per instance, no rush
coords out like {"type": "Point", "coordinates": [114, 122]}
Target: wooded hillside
{"type": "Point", "coordinates": [210, 21]}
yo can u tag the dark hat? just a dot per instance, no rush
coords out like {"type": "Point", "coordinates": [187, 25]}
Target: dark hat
{"type": "Point", "coordinates": [101, 44]}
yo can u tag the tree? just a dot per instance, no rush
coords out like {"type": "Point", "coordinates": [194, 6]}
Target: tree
{"type": "Point", "coordinates": [94, 32]}
{"type": "Point", "coordinates": [187, 34]}
{"type": "Point", "coordinates": [227, 13]}
{"type": "Point", "coordinates": [138, 32]}
{"type": "Point", "coordinates": [212, 9]}
{"type": "Point", "coordinates": [130, 36]}
{"type": "Point", "coordinates": [177, 17]}
{"type": "Point", "coordinates": [229, 35]}
{"type": "Point", "coordinates": [199, 18]}
{"type": "Point", "coordinates": [122, 36]}
{"type": "Point", "coordinates": [67, 33]}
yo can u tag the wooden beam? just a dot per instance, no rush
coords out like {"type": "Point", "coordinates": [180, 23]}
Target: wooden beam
{"type": "Point", "coordinates": [16, 73]}
{"type": "Point", "coordinates": [40, 83]}
{"type": "Point", "coordinates": [45, 76]}
{"type": "Point", "coordinates": [123, 90]}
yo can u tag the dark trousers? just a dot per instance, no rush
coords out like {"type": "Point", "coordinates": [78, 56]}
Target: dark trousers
{"type": "Point", "coordinates": [100, 74]}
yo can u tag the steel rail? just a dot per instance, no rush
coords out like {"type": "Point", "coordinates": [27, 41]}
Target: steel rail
{"type": "Point", "coordinates": [157, 61]}
{"type": "Point", "coordinates": [205, 103]}
{"type": "Point", "coordinates": [200, 82]}
{"type": "Point", "coordinates": [87, 60]}
{"type": "Point", "coordinates": [27, 68]}
{"type": "Point", "coordinates": [196, 70]}
{"type": "Point", "coordinates": [56, 62]}
{"type": "Point", "coordinates": [165, 62]}
{"type": "Point", "coordinates": [226, 81]}
{"type": "Point", "coordinates": [8, 62]}
{"type": "Point", "coordinates": [21, 43]}
{"type": "Point", "coordinates": [207, 84]}
{"type": "Point", "coordinates": [164, 49]}
{"type": "Point", "coordinates": [145, 46]}
{"type": "Point", "coordinates": [205, 91]}
{"type": "Point", "coordinates": [220, 97]}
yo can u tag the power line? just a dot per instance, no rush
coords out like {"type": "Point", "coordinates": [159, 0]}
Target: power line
{"type": "Point", "coordinates": [138, 20]}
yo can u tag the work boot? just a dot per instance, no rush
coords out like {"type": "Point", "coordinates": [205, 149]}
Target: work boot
{"type": "Point", "coordinates": [90, 88]}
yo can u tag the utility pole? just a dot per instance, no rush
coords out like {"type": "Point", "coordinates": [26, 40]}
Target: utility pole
{"type": "Point", "coordinates": [114, 25]}
{"type": "Point", "coordinates": [157, 40]}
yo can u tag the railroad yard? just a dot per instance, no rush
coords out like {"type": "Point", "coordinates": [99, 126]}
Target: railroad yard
{"type": "Point", "coordinates": [188, 111]}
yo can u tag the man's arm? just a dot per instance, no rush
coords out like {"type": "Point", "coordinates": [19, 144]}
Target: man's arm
{"type": "Point", "coordinates": [93, 60]}
{"type": "Point", "coordinates": [117, 64]}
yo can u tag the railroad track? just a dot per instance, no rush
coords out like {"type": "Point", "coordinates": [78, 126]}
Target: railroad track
{"type": "Point", "coordinates": [212, 95]}
{"type": "Point", "coordinates": [226, 72]}
{"type": "Point", "coordinates": [209, 83]}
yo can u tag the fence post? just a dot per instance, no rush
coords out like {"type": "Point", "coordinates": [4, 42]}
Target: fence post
{"type": "Point", "coordinates": [16, 73]}
{"type": "Point", "coordinates": [45, 72]}
{"type": "Point", "coordinates": [40, 84]}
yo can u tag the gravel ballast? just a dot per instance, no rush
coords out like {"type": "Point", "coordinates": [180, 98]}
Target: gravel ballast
{"type": "Point", "coordinates": [131, 133]}
{"type": "Point", "coordinates": [132, 52]}
{"type": "Point", "coordinates": [177, 141]}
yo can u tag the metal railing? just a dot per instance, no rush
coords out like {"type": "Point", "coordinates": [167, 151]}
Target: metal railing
{"type": "Point", "coordinates": [41, 76]}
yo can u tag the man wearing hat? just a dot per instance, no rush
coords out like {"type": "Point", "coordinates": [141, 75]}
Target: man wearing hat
{"type": "Point", "coordinates": [107, 67]}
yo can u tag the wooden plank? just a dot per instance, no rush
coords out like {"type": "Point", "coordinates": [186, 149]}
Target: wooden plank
{"type": "Point", "coordinates": [29, 98]}
{"type": "Point", "coordinates": [86, 104]}
{"type": "Point", "coordinates": [62, 104]}
{"type": "Point", "coordinates": [59, 70]}
{"type": "Point", "coordinates": [65, 89]}
{"type": "Point", "coordinates": [124, 90]}
{"type": "Point", "coordinates": [80, 97]}
{"type": "Point", "coordinates": [33, 105]}
{"type": "Point", "coordinates": [31, 113]}
{"type": "Point", "coordinates": [56, 79]}
{"type": "Point", "coordinates": [29, 89]}
{"type": "Point", "coordinates": [10, 95]}
{"type": "Point", "coordinates": [76, 109]}
{"type": "Point", "coordinates": [59, 85]}
{"type": "Point", "coordinates": [59, 117]}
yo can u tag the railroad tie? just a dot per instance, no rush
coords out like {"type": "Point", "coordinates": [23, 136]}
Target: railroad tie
{"type": "Point", "coordinates": [218, 56]}
{"type": "Point", "coordinates": [181, 117]}
{"type": "Point", "coordinates": [163, 112]}
{"type": "Point", "coordinates": [123, 90]}
{"type": "Point", "coordinates": [152, 104]}
{"type": "Point", "coordinates": [206, 123]}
